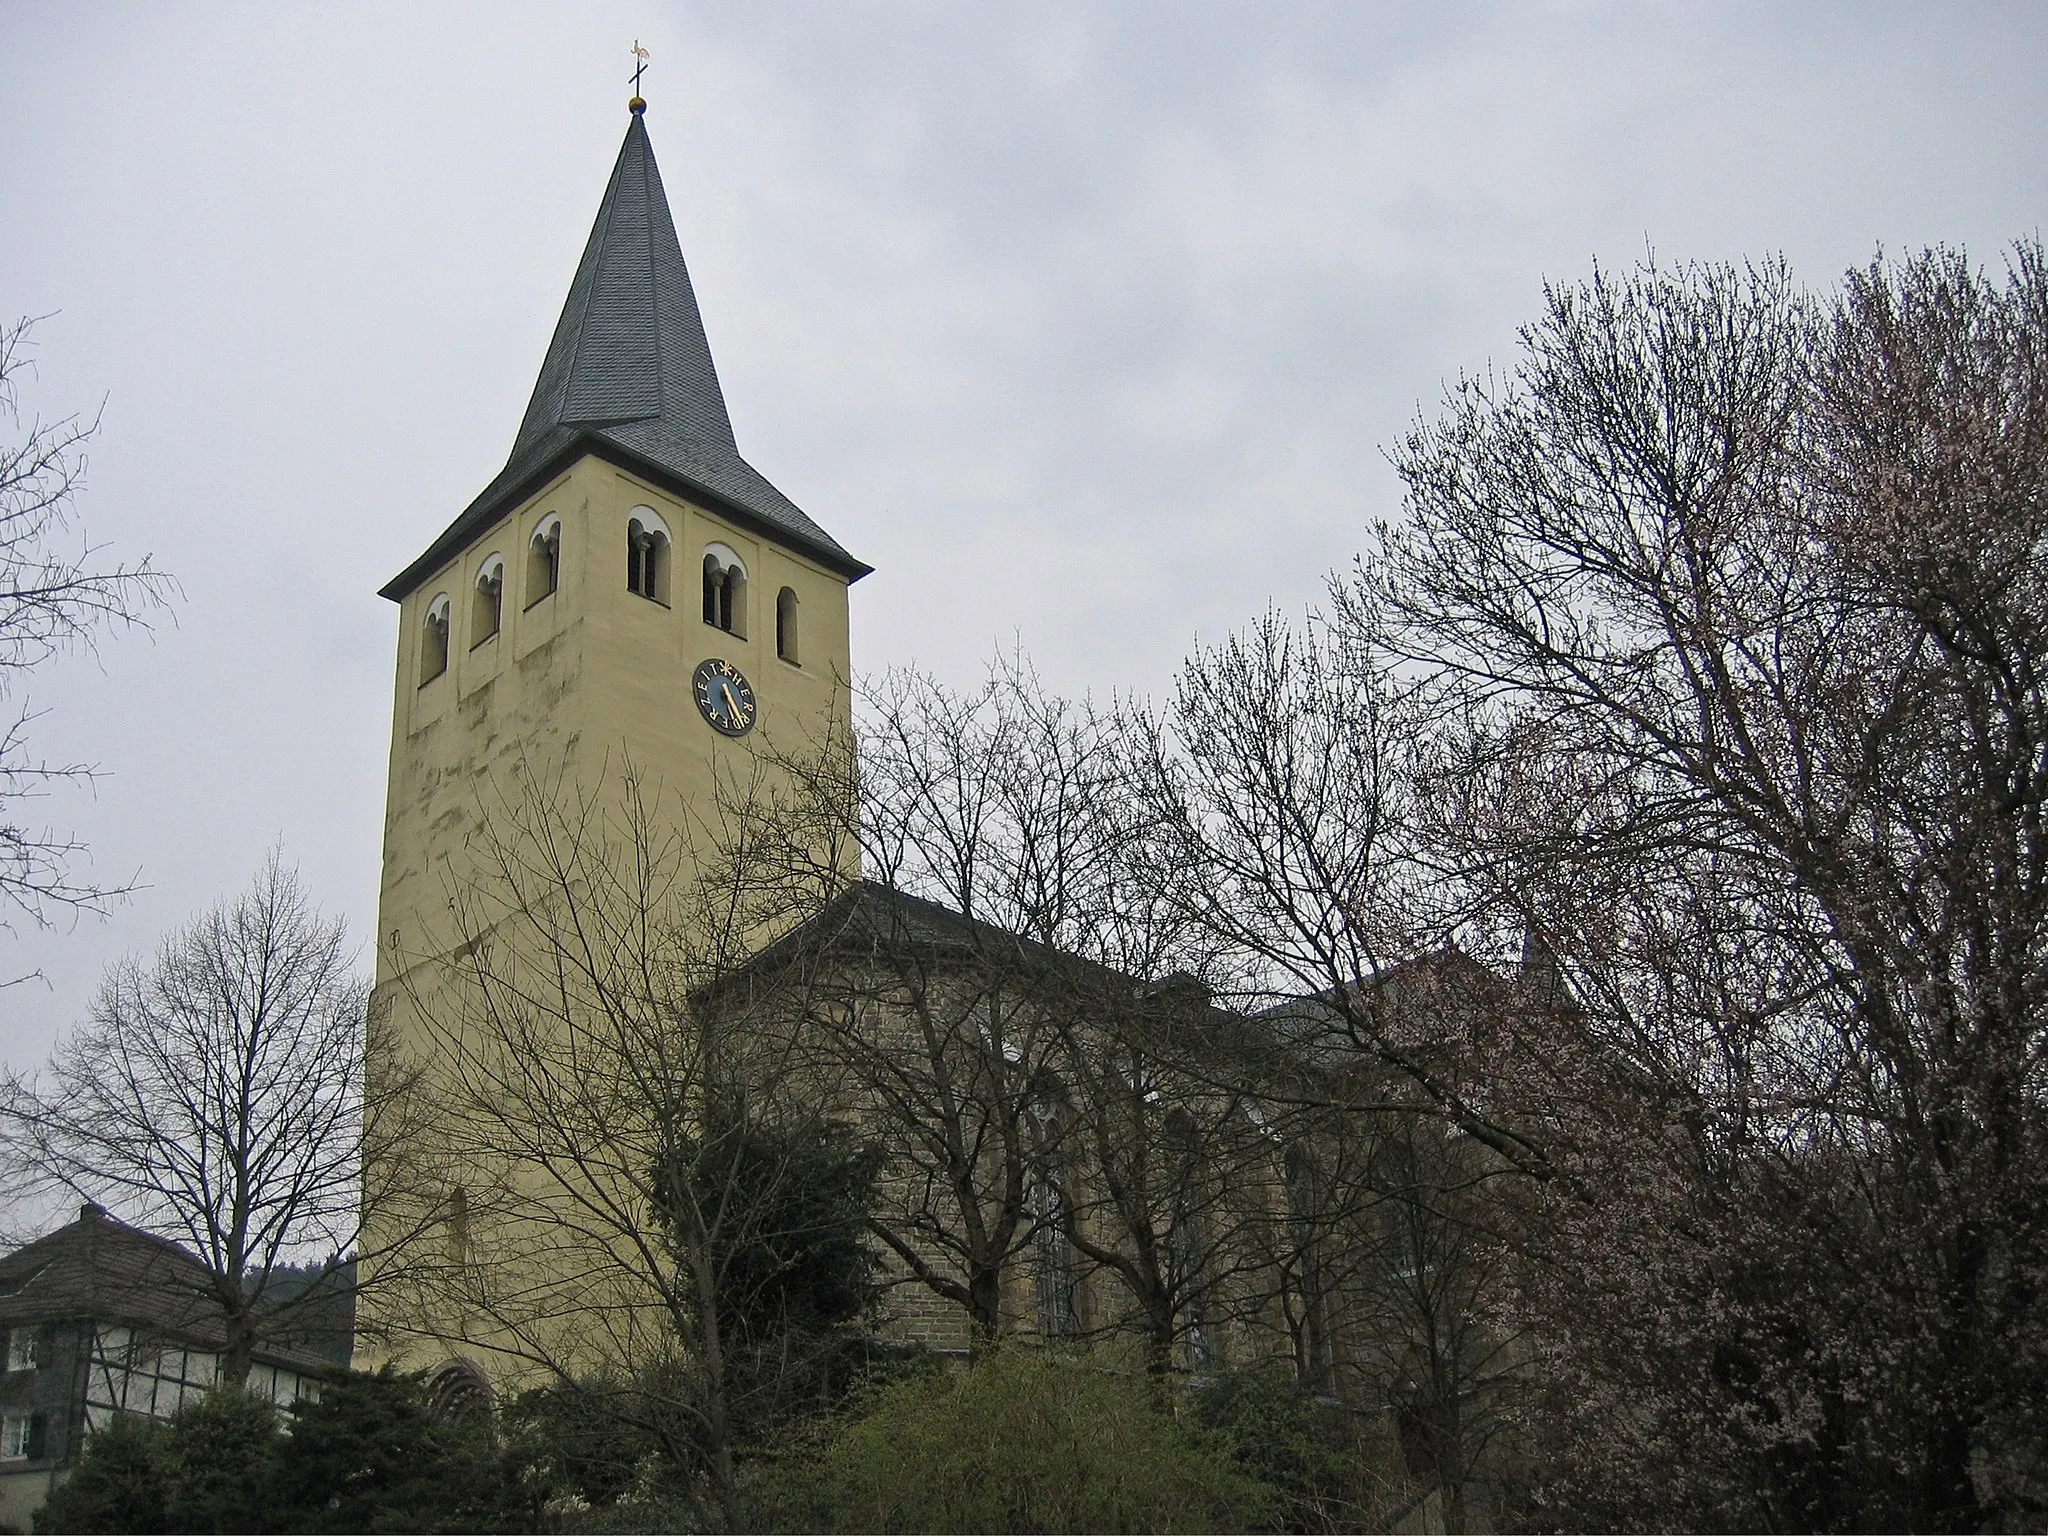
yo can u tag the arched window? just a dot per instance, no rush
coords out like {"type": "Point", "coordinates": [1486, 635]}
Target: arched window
{"type": "Point", "coordinates": [488, 606]}
{"type": "Point", "coordinates": [725, 590]}
{"type": "Point", "coordinates": [1052, 1214]}
{"type": "Point", "coordinates": [1187, 1241]}
{"type": "Point", "coordinates": [785, 626]}
{"type": "Point", "coordinates": [1305, 1202]}
{"type": "Point", "coordinates": [460, 1392]}
{"type": "Point", "coordinates": [1406, 1235]}
{"type": "Point", "coordinates": [544, 560]}
{"type": "Point", "coordinates": [457, 1225]}
{"type": "Point", "coordinates": [434, 640]}
{"type": "Point", "coordinates": [647, 544]}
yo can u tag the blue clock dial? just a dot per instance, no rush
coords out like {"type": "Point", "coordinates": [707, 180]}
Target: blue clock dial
{"type": "Point", "coordinates": [724, 697]}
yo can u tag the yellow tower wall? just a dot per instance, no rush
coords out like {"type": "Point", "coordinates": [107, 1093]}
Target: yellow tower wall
{"type": "Point", "coordinates": [586, 678]}
{"type": "Point", "coordinates": [572, 686]}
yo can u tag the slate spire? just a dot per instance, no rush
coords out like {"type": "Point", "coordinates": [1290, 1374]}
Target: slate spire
{"type": "Point", "coordinates": [630, 347]}
{"type": "Point", "coordinates": [629, 376]}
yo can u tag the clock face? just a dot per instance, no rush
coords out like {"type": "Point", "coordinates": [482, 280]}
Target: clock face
{"type": "Point", "coordinates": [724, 697]}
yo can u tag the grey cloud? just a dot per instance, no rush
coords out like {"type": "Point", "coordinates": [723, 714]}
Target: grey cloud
{"type": "Point", "coordinates": [1083, 323]}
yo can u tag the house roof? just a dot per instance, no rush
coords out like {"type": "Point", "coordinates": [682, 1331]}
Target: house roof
{"type": "Point", "coordinates": [628, 377]}
{"type": "Point", "coordinates": [105, 1270]}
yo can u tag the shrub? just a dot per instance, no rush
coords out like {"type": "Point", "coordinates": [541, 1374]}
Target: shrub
{"type": "Point", "coordinates": [777, 1201]}
{"type": "Point", "coordinates": [208, 1469]}
{"type": "Point", "coordinates": [115, 1485]}
{"type": "Point", "coordinates": [588, 1444]}
{"type": "Point", "coordinates": [370, 1455]}
{"type": "Point", "coordinates": [1327, 1469]}
{"type": "Point", "coordinates": [216, 1461]}
{"type": "Point", "coordinates": [373, 1455]}
{"type": "Point", "coordinates": [1020, 1442]}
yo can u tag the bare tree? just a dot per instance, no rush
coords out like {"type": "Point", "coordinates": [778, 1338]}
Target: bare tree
{"type": "Point", "coordinates": [1285, 809]}
{"type": "Point", "coordinates": [618, 1113]}
{"type": "Point", "coordinates": [1703, 668]}
{"type": "Point", "coordinates": [1173, 1172]}
{"type": "Point", "coordinates": [972, 823]}
{"type": "Point", "coordinates": [217, 1095]}
{"type": "Point", "coordinates": [55, 593]}
{"type": "Point", "coordinates": [1421, 1314]}
{"type": "Point", "coordinates": [1022, 1015]}
{"type": "Point", "coordinates": [1754, 578]}
{"type": "Point", "coordinates": [930, 1021]}
{"type": "Point", "coordinates": [1004, 932]}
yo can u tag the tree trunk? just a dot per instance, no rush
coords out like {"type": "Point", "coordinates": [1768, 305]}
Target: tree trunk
{"type": "Point", "coordinates": [711, 1356]}
{"type": "Point", "coordinates": [984, 1310]}
{"type": "Point", "coordinates": [239, 1353]}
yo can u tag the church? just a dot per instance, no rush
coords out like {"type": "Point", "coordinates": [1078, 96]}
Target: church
{"type": "Point", "coordinates": [628, 628]}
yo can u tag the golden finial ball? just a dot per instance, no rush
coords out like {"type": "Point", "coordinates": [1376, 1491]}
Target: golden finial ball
{"type": "Point", "coordinates": [637, 105]}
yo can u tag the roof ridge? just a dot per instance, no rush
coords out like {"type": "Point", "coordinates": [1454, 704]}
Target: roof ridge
{"type": "Point", "coordinates": [648, 195]}
{"type": "Point", "coordinates": [88, 1230]}
{"type": "Point", "coordinates": [602, 224]}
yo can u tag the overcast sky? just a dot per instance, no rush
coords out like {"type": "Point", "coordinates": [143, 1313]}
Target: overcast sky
{"type": "Point", "coordinates": [1083, 324]}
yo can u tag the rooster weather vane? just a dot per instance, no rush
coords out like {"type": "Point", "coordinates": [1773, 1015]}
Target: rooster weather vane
{"type": "Point", "coordinates": [640, 57]}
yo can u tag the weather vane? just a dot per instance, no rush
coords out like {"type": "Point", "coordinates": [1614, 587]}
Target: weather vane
{"type": "Point", "coordinates": [640, 57]}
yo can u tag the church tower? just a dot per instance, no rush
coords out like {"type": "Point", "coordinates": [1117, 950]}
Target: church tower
{"type": "Point", "coordinates": [628, 588]}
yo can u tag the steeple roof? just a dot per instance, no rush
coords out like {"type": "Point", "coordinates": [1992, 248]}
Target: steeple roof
{"type": "Point", "coordinates": [629, 377]}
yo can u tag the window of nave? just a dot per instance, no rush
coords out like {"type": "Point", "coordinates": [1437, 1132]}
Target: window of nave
{"type": "Point", "coordinates": [487, 606]}
{"type": "Point", "coordinates": [434, 639]}
{"type": "Point", "coordinates": [725, 590]}
{"type": "Point", "coordinates": [1052, 1213]}
{"type": "Point", "coordinates": [544, 560]}
{"type": "Point", "coordinates": [1314, 1356]}
{"type": "Point", "coordinates": [1187, 1243]}
{"type": "Point", "coordinates": [785, 627]}
{"type": "Point", "coordinates": [647, 560]}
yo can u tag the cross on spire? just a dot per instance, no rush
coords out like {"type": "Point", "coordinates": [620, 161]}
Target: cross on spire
{"type": "Point", "coordinates": [640, 57]}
